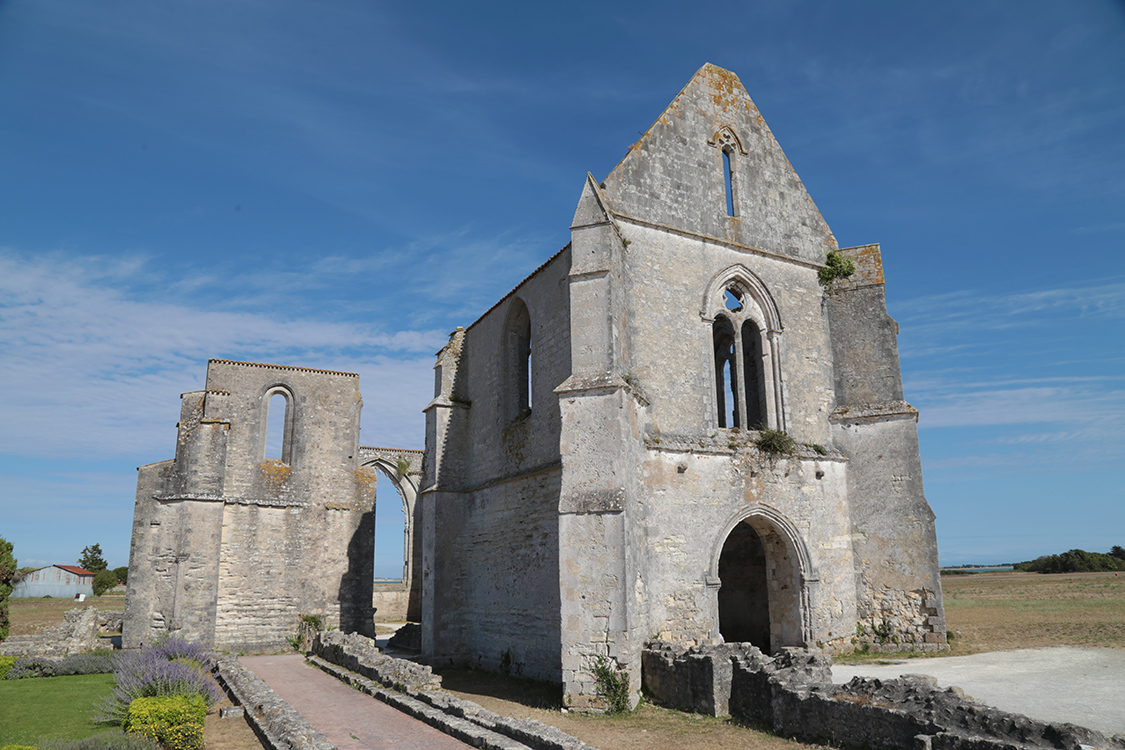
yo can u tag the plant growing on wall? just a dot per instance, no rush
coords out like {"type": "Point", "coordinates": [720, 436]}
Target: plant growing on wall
{"type": "Point", "coordinates": [836, 267]}
{"type": "Point", "coordinates": [776, 442]}
{"type": "Point", "coordinates": [612, 684]}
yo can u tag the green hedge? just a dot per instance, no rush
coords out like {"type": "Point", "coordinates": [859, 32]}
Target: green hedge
{"type": "Point", "coordinates": [175, 721]}
{"type": "Point", "coordinates": [6, 663]}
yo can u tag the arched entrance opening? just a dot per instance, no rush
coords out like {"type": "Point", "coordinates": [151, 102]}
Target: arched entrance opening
{"type": "Point", "coordinates": [744, 602]}
{"type": "Point", "coordinates": [390, 532]}
{"type": "Point", "coordinates": [762, 597]}
{"type": "Point", "coordinates": [397, 592]}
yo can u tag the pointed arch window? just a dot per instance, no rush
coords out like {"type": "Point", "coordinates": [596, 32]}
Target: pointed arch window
{"type": "Point", "coordinates": [730, 150]}
{"type": "Point", "coordinates": [728, 180]}
{"type": "Point", "coordinates": [745, 343]}
{"type": "Point", "coordinates": [518, 388]}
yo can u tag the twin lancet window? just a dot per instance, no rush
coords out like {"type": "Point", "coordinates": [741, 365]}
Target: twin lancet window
{"type": "Point", "coordinates": [739, 372]}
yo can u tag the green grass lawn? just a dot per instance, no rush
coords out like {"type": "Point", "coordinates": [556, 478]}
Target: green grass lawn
{"type": "Point", "coordinates": [51, 708]}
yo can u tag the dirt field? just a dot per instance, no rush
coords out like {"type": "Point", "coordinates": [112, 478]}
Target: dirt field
{"type": "Point", "coordinates": [32, 615]}
{"type": "Point", "coordinates": [1001, 611]}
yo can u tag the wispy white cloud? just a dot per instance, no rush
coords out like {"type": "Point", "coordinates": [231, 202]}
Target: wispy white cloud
{"type": "Point", "coordinates": [980, 309]}
{"type": "Point", "coordinates": [94, 369]}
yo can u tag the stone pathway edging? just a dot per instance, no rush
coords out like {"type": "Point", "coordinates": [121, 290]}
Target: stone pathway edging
{"type": "Point", "coordinates": [278, 724]}
{"type": "Point", "coordinates": [464, 720]}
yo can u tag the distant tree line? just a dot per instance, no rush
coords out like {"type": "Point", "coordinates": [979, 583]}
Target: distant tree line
{"type": "Point", "coordinates": [1076, 561]}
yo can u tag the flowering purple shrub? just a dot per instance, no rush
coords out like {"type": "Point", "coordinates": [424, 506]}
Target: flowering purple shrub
{"type": "Point", "coordinates": [177, 648]}
{"type": "Point", "coordinates": [174, 667]}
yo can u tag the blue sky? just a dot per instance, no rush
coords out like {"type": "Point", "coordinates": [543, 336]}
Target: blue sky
{"type": "Point", "coordinates": [340, 184]}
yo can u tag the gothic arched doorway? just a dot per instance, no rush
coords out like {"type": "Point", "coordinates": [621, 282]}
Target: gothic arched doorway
{"type": "Point", "coordinates": [744, 603]}
{"type": "Point", "coordinates": [761, 597]}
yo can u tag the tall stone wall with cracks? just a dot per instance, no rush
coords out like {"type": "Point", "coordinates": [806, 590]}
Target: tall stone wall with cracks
{"type": "Point", "coordinates": [793, 695]}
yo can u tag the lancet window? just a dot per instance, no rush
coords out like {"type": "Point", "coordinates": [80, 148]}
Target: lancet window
{"type": "Point", "coordinates": [277, 437]}
{"type": "Point", "coordinates": [518, 389]}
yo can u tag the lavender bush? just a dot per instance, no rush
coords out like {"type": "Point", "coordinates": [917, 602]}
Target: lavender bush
{"type": "Point", "coordinates": [174, 667]}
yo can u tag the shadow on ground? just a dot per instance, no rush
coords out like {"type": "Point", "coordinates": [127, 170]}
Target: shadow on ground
{"type": "Point", "coordinates": [530, 693]}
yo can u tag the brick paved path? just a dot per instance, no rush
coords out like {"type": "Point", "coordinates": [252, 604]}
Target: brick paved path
{"type": "Point", "coordinates": [350, 719]}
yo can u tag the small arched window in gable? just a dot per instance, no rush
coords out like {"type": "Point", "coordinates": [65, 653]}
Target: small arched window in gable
{"type": "Point", "coordinates": [518, 355]}
{"type": "Point", "coordinates": [730, 151]}
{"type": "Point", "coordinates": [728, 179]}
{"type": "Point", "coordinates": [278, 432]}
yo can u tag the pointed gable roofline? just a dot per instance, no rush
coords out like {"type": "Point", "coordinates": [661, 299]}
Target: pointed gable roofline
{"type": "Point", "coordinates": [673, 176]}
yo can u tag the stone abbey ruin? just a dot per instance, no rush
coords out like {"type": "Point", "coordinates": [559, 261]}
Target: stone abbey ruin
{"type": "Point", "coordinates": [605, 457]}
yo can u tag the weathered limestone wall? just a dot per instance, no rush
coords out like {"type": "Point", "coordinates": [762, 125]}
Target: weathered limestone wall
{"type": "Point", "coordinates": [174, 555]}
{"type": "Point", "coordinates": [666, 190]}
{"type": "Point", "coordinates": [231, 547]}
{"type": "Point", "coordinates": [490, 515]}
{"type": "Point", "coordinates": [672, 300]}
{"type": "Point", "coordinates": [793, 695]}
{"type": "Point", "coordinates": [898, 583]}
{"type": "Point", "coordinates": [495, 595]}
{"type": "Point", "coordinates": [800, 503]}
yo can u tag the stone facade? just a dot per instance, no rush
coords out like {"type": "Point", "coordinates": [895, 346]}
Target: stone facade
{"type": "Point", "coordinates": [593, 473]}
{"type": "Point", "coordinates": [231, 548]}
{"type": "Point", "coordinates": [606, 455]}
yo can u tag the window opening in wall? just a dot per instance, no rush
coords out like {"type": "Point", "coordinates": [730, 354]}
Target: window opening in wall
{"type": "Point", "coordinates": [726, 374]}
{"type": "Point", "coordinates": [519, 353]}
{"type": "Point", "coordinates": [752, 369]}
{"type": "Point", "coordinates": [276, 419]}
{"type": "Point", "coordinates": [390, 532]}
{"type": "Point", "coordinates": [728, 181]}
{"type": "Point", "coordinates": [732, 300]}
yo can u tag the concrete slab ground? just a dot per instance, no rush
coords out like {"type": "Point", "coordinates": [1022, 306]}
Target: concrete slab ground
{"type": "Point", "coordinates": [1083, 686]}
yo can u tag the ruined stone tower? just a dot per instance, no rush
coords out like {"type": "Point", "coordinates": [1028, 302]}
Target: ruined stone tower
{"type": "Point", "coordinates": [231, 547]}
{"type": "Point", "coordinates": [594, 475]}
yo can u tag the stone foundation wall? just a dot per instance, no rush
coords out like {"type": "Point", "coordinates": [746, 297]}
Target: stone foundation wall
{"type": "Point", "coordinates": [794, 696]}
{"type": "Point", "coordinates": [902, 621]}
{"type": "Point", "coordinates": [76, 634]}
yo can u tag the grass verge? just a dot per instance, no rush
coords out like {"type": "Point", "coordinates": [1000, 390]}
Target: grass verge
{"type": "Point", "coordinates": [51, 708]}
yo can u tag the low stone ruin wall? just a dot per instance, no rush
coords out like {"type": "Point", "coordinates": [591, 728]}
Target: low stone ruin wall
{"type": "Point", "coordinates": [77, 634]}
{"type": "Point", "coordinates": [415, 690]}
{"type": "Point", "coordinates": [358, 653]}
{"type": "Point", "coordinates": [276, 723]}
{"type": "Point", "coordinates": [793, 694]}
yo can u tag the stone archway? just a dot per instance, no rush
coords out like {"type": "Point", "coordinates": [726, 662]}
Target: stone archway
{"type": "Point", "coordinates": [403, 467]}
{"type": "Point", "coordinates": [765, 582]}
